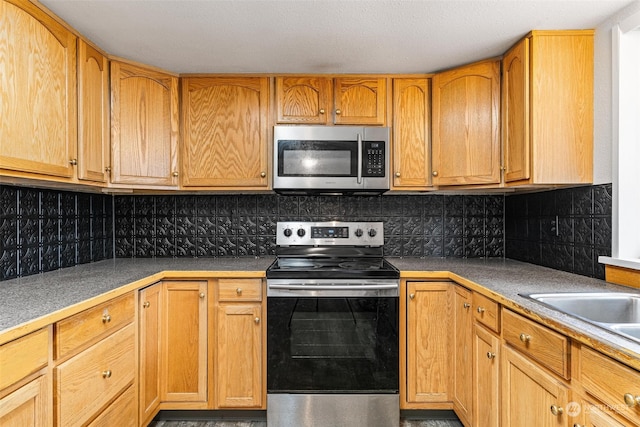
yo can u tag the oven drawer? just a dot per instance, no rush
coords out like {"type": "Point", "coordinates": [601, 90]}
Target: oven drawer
{"type": "Point", "coordinates": [239, 289]}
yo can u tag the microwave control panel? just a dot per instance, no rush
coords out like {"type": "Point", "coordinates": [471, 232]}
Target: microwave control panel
{"type": "Point", "coordinates": [373, 158]}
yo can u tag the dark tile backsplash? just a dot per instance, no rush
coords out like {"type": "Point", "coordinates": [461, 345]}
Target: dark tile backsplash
{"type": "Point", "coordinates": [44, 230]}
{"type": "Point", "coordinates": [563, 229]}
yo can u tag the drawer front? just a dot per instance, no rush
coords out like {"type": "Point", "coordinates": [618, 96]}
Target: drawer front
{"type": "Point", "coordinates": [611, 382]}
{"type": "Point", "coordinates": [548, 347]}
{"type": "Point", "coordinates": [486, 311]}
{"type": "Point", "coordinates": [121, 413]}
{"type": "Point", "coordinates": [23, 356]}
{"type": "Point", "coordinates": [87, 381]}
{"type": "Point", "coordinates": [84, 327]}
{"type": "Point", "coordinates": [240, 290]}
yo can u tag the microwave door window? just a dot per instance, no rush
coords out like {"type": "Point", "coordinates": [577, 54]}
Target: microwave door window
{"type": "Point", "coordinates": [317, 163]}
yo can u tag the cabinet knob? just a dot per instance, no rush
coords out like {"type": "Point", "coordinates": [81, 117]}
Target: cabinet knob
{"type": "Point", "coordinates": [578, 425]}
{"type": "Point", "coordinates": [107, 169]}
{"type": "Point", "coordinates": [106, 374]}
{"type": "Point", "coordinates": [73, 162]}
{"type": "Point", "coordinates": [257, 320]}
{"type": "Point", "coordinates": [175, 174]}
{"type": "Point", "coordinates": [490, 355]}
{"type": "Point", "coordinates": [202, 295]}
{"type": "Point", "coordinates": [263, 174]}
{"type": "Point", "coordinates": [106, 318]}
{"type": "Point", "coordinates": [557, 410]}
{"type": "Point", "coordinates": [397, 174]}
{"type": "Point", "coordinates": [434, 173]}
{"type": "Point", "coordinates": [239, 291]}
{"type": "Point", "coordinates": [525, 338]}
{"type": "Point", "coordinates": [631, 400]}
{"type": "Point", "coordinates": [480, 310]}
{"type": "Point", "coordinates": [412, 296]}
{"type": "Point", "coordinates": [466, 305]}
{"type": "Point", "coordinates": [338, 111]}
{"type": "Point", "coordinates": [146, 304]}
{"type": "Point", "coordinates": [322, 111]}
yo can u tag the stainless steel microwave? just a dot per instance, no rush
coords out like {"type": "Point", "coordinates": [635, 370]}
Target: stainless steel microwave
{"type": "Point", "coordinates": [330, 159]}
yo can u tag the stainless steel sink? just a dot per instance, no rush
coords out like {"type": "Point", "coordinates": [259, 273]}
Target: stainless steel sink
{"type": "Point", "coordinates": [617, 312]}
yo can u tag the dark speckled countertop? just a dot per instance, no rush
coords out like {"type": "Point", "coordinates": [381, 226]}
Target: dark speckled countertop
{"type": "Point", "coordinates": [24, 300]}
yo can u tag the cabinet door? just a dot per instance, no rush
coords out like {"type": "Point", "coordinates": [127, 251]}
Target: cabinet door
{"type": "Point", "coordinates": [515, 112]}
{"type": "Point", "coordinates": [529, 394]}
{"type": "Point", "coordinates": [30, 405]}
{"type": "Point", "coordinates": [411, 131]}
{"type": "Point", "coordinates": [466, 125]}
{"type": "Point", "coordinates": [225, 132]}
{"type": "Point", "coordinates": [302, 99]}
{"type": "Point", "coordinates": [38, 120]}
{"type": "Point", "coordinates": [428, 346]}
{"type": "Point", "coordinates": [144, 126]}
{"type": "Point", "coordinates": [462, 353]}
{"type": "Point", "coordinates": [150, 318]}
{"type": "Point", "coordinates": [596, 416]}
{"type": "Point", "coordinates": [184, 341]}
{"type": "Point", "coordinates": [239, 366]}
{"type": "Point", "coordinates": [93, 103]}
{"type": "Point", "coordinates": [360, 100]}
{"type": "Point", "coordinates": [486, 380]}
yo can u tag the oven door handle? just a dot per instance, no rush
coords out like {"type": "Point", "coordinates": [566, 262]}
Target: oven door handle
{"type": "Point", "coordinates": [312, 286]}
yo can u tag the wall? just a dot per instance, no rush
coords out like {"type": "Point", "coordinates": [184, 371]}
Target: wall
{"type": "Point", "coordinates": [43, 230]}
{"type": "Point", "coordinates": [563, 229]}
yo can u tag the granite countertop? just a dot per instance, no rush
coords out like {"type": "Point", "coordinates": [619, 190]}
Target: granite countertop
{"type": "Point", "coordinates": [29, 299]}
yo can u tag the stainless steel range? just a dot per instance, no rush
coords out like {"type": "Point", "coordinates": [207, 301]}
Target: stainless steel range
{"type": "Point", "coordinates": [332, 327]}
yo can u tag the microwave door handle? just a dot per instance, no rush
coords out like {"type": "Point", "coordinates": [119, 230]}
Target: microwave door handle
{"type": "Point", "coordinates": [359, 159]}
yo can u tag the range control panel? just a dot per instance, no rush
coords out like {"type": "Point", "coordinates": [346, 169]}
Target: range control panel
{"type": "Point", "coordinates": [300, 233]}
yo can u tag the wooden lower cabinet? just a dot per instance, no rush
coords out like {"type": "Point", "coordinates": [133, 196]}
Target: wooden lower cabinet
{"type": "Point", "coordinates": [149, 321]}
{"type": "Point", "coordinates": [184, 343]}
{"type": "Point", "coordinates": [462, 354]}
{"type": "Point", "coordinates": [121, 413]}
{"type": "Point", "coordinates": [486, 378]}
{"type": "Point", "coordinates": [29, 405]}
{"type": "Point", "coordinates": [427, 358]}
{"type": "Point", "coordinates": [592, 415]}
{"type": "Point", "coordinates": [530, 396]}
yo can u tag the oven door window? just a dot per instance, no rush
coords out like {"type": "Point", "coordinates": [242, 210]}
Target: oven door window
{"type": "Point", "coordinates": [332, 345]}
{"type": "Point", "coordinates": [318, 158]}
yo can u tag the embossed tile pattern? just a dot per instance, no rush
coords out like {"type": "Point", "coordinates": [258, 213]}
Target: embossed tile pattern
{"type": "Point", "coordinates": [564, 229]}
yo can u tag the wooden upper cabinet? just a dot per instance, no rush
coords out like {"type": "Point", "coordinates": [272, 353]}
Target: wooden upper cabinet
{"type": "Point", "coordinates": [466, 125]}
{"type": "Point", "coordinates": [38, 98]}
{"type": "Point", "coordinates": [225, 132]}
{"type": "Point", "coordinates": [304, 100]}
{"type": "Point", "coordinates": [144, 126]}
{"type": "Point", "coordinates": [548, 109]}
{"type": "Point", "coordinates": [353, 100]}
{"type": "Point", "coordinates": [93, 104]}
{"type": "Point", "coordinates": [411, 134]}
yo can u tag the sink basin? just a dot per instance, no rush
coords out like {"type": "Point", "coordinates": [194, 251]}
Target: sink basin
{"type": "Point", "coordinates": [617, 312]}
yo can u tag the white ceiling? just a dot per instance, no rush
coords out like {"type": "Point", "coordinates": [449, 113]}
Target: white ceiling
{"type": "Point", "coordinates": [319, 36]}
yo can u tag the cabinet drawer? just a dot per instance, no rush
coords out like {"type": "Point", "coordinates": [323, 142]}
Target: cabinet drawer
{"type": "Point", "coordinates": [486, 311]}
{"type": "Point", "coordinates": [85, 326]}
{"type": "Point", "coordinates": [611, 382]}
{"type": "Point", "coordinates": [548, 347]}
{"type": "Point", "coordinates": [87, 381]}
{"type": "Point", "coordinates": [23, 356]}
{"type": "Point", "coordinates": [240, 290]}
{"type": "Point", "coordinates": [121, 413]}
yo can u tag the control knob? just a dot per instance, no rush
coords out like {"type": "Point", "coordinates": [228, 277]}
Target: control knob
{"type": "Point", "coordinates": [301, 232]}
{"type": "Point", "coordinates": [372, 232]}
{"type": "Point", "coordinates": [358, 232]}
{"type": "Point", "coordinates": [287, 232]}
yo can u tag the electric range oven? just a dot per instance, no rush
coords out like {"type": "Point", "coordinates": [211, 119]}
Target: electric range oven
{"type": "Point", "coordinates": [332, 327]}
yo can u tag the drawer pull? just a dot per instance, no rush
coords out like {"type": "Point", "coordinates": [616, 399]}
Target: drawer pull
{"type": "Point", "coordinates": [106, 374]}
{"type": "Point", "coordinates": [257, 320]}
{"type": "Point", "coordinates": [412, 296]}
{"type": "Point", "coordinates": [557, 410]}
{"type": "Point", "coordinates": [525, 338]}
{"type": "Point", "coordinates": [466, 305]}
{"type": "Point", "coordinates": [106, 318]}
{"type": "Point", "coordinates": [146, 304]}
{"type": "Point", "coordinates": [480, 310]}
{"type": "Point", "coordinates": [631, 400]}
{"type": "Point", "coordinates": [239, 291]}
{"type": "Point", "coordinates": [490, 355]}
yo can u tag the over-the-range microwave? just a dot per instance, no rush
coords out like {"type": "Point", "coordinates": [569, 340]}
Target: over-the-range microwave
{"type": "Point", "coordinates": [330, 159]}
